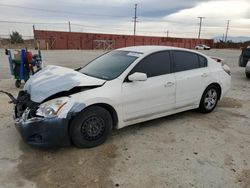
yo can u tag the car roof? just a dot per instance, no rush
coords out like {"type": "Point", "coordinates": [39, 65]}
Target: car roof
{"type": "Point", "coordinates": [151, 49]}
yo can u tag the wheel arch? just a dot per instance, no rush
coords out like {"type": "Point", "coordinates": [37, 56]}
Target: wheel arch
{"type": "Point", "coordinates": [218, 87]}
{"type": "Point", "coordinates": [111, 110]}
{"type": "Point", "coordinates": [107, 107]}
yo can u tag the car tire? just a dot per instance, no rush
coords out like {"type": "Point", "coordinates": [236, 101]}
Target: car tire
{"type": "Point", "coordinates": [18, 83]}
{"type": "Point", "coordinates": [91, 127]}
{"type": "Point", "coordinates": [248, 75]}
{"type": "Point", "coordinates": [209, 99]}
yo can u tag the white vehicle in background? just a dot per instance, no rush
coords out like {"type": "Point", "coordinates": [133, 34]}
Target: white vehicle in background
{"type": "Point", "coordinates": [126, 86]}
{"type": "Point", "coordinates": [202, 47]}
{"type": "Point", "coordinates": [247, 70]}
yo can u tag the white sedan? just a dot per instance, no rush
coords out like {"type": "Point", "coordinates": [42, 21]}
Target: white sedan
{"type": "Point", "coordinates": [202, 47]}
{"type": "Point", "coordinates": [126, 86]}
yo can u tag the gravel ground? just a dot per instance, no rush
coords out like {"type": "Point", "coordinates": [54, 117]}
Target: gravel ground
{"type": "Point", "coordinates": [183, 150]}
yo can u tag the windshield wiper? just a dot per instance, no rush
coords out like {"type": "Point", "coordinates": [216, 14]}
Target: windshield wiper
{"type": "Point", "coordinates": [87, 74]}
{"type": "Point", "coordinates": [77, 69]}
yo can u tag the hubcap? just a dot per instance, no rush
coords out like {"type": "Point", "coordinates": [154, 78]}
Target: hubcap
{"type": "Point", "coordinates": [93, 128]}
{"type": "Point", "coordinates": [210, 99]}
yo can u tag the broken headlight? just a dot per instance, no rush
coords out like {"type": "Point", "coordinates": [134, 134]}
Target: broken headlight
{"type": "Point", "coordinates": [51, 108]}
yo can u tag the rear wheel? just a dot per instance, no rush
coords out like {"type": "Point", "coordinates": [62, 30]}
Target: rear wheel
{"type": "Point", "coordinates": [91, 127]}
{"type": "Point", "coordinates": [209, 99]}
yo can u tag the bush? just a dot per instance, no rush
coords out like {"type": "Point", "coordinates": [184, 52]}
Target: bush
{"type": "Point", "coordinates": [16, 37]}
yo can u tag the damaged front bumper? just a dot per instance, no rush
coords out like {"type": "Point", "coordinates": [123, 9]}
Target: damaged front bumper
{"type": "Point", "coordinates": [43, 132]}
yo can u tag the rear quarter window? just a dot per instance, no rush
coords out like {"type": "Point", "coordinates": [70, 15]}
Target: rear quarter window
{"type": "Point", "coordinates": [202, 61]}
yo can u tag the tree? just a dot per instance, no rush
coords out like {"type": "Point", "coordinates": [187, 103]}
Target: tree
{"type": "Point", "coordinates": [16, 37]}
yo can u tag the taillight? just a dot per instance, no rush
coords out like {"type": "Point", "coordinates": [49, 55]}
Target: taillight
{"type": "Point", "coordinates": [226, 68]}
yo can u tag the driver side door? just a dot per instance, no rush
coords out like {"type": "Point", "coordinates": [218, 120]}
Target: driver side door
{"type": "Point", "coordinates": [156, 95]}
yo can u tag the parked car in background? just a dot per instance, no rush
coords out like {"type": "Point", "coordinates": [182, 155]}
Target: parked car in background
{"type": "Point", "coordinates": [244, 60]}
{"type": "Point", "coordinates": [202, 47]}
{"type": "Point", "coordinates": [247, 71]}
{"type": "Point", "coordinates": [123, 87]}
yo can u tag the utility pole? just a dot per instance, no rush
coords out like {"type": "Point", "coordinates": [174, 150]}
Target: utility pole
{"type": "Point", "coordinates": [201, 18]}
{"type": "Point", "coordinates": [69, 27]}
{"type": "Point", "coordinates": [227, 30]}
{"type": "Point", "coordinates": [167, 32]}
{"type": "Point", "coordinates": [135, 21]}
{"type": "Point", "coordinates": [34, 32]}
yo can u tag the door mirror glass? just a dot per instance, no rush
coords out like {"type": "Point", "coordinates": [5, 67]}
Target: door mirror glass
{"type": "Point", "coordinates": [137, 76]}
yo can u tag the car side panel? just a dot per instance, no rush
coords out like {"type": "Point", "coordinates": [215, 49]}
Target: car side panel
{"type": "Point", "coordinates": [147, 98]}
{"type": "Point", "coordinates": [190, 86]}
{"type": "Point", "coordinates": [218, 75]}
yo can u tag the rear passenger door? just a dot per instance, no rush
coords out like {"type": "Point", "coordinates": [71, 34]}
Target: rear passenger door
{"type": "Point", "coordinates": [191, 75]}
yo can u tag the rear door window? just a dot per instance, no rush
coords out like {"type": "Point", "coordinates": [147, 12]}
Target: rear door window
{"type": "Point", "coordinates": [185, 61]}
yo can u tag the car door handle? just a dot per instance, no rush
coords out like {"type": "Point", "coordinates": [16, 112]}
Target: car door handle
{"type": "Point", "coordinates": [169, 84]}
{"type": "Point", "coordinates": [204, 75]}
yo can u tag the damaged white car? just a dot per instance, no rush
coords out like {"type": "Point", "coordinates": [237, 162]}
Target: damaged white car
{"type": "Point", "coordinates": [59, 106]}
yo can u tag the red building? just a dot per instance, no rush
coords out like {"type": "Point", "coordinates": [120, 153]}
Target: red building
{"type": "Point", "coordinates": [87, 41]}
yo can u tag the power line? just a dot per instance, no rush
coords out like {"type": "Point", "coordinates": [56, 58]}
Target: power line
{"type": "Point", "coordinates": [164, 21]}
{"type": "Point", "coordinates": [60, 23]}
{"type": "Point", "coordinates": [42, 23]}
{"type": "Point", "coordinates": [201, 18]}
{"type": "Point", "coordinates": [99, 28]}
{"type": "Point", "coordinates": [61, 12]}
{"type": "Point", "coordinates": [227, 30]}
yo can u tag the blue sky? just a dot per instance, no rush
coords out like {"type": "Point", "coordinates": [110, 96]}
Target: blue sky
{"type": "Point", "coordinates": [155, 17]}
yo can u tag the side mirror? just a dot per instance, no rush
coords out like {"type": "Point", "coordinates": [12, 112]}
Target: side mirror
{"type": "Point", "coordinates": [137, 76]}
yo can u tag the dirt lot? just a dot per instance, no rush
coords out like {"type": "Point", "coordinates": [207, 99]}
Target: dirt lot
{"type": "Point", "coordinates": [184, 150]}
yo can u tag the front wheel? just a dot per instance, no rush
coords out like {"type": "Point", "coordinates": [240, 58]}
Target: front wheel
{"type": "Point", "coordinates": [209, 99]}
{"type": "Point", "coordinates": [91, 127]}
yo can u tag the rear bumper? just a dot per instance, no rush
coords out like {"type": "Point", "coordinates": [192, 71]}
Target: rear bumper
{"type": "Point", "coordinates": [43, 132]}
{"type": "Point", "coordinates": [225, 84]}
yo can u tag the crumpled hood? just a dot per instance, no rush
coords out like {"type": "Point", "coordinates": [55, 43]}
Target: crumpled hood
{"type": "Point", "coordinates": [54, 79]}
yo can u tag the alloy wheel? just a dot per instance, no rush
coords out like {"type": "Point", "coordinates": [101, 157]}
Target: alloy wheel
{"type": "Point", "coordinates": [210, 99]}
